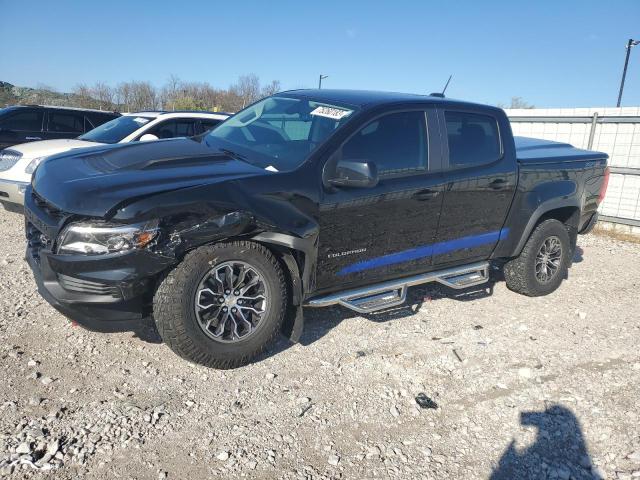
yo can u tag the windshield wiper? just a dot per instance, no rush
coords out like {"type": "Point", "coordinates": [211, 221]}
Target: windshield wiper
{"type": "Point", "coordinates": [232, 154]}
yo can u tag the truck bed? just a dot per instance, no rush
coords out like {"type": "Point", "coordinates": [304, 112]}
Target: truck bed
{"type": "Point", "coordinates": [535, 150]}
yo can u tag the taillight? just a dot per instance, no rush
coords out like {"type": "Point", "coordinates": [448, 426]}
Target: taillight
{"type": "Point", "coordinates": [605, 184]}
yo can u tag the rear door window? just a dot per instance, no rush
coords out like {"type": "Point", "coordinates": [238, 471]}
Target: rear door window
{"type": "Point", "coordinates": [66, 122]}
{"type": "Point", "coordinates": [473, 139]}
{"type": "Point", "coordinates": [24, 121]}
{"type": "Point", "coordinates": [174, 128]}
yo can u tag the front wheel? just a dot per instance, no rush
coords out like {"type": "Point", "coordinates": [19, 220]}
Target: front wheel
{"type": "Point", "coordinates": [543, 263]}
{"type": "Point", "coordinates": [223, 305]}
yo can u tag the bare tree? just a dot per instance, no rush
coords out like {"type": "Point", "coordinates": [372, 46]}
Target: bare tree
{"type": "Point", "coordinates": [230, 100]}
{"type": "Point", "coordinates": [517, 102]}
{"type": "Point", "coordinates": [82, 96]}
{"type": "Point", "coordinates": [123, 96]}
{"type": "Point", "coordinates": [170, 92]}
{"type": "Point", "coordinates": [104, 95]}
{"type": "Point", "coordinates": [271, 89]}
{"type": "Point", "coordinates": [247, 88]}
{"type": "Point", "coordinates": [142, 96]}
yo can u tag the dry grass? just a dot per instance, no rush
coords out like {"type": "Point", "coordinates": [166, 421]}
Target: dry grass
{"type": "Point", "coordinates": [616, 234]}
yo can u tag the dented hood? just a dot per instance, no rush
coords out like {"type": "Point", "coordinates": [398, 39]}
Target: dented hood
{"type": "Point", "coordinates": [94, 181]}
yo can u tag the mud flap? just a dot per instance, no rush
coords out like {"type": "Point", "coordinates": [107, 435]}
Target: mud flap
{"type": "Point", "coordinates": [293, 323]}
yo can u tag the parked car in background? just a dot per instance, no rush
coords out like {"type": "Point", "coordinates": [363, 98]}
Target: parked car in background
{"type": "Point", "coordinates": [310, 197]}
{"type": "Point", "coordinates": [29, 123]}
{"type": "Point", "coordinates": [18, 162]}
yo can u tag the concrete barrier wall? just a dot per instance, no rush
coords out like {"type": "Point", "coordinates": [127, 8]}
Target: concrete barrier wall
{"type": "Point", "coordinates": [615, 131]}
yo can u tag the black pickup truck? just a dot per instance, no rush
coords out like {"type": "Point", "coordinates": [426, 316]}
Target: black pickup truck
{"type": "Point", "coordinates": [305, 198]}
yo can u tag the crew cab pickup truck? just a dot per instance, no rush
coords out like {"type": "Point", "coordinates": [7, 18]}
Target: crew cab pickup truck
{"type": "Point", "coordinates": [305, 198]}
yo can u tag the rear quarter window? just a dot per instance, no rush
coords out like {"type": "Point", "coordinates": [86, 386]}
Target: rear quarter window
{"type": "Point", "coordinates": [474, 139]}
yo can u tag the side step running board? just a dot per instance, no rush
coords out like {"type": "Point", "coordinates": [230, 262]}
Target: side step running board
{"type": "Point", "coordinates": [394, 292]}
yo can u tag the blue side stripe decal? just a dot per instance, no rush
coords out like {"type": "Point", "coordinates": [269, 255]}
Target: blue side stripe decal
{"type": "Point", "coordinates": [424, 251]}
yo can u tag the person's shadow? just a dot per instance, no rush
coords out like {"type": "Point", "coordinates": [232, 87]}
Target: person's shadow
{"type": "Point", "coordinates": [559, 450]}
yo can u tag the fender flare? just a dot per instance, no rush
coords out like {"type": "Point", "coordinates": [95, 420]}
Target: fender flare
{"type": "Point", "coordinates": [543, 208]}
{"type": "Point", "coordinates": [300, 279]}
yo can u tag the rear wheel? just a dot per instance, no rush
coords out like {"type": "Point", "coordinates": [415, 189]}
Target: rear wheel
{"type": "Point", "coordinates": [543, 263]}
{"type": "Point", "coordinates": [223, 305]}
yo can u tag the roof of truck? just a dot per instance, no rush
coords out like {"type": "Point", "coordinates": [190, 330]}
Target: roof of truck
{"type": "Point", "coordinates": [369, 98]}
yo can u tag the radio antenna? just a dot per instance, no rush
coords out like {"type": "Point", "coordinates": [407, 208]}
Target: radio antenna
{"type": "Point", "coordinates": [446, 85]}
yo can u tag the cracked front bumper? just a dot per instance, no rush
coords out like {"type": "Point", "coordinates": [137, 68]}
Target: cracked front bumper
{"type": "Point", "coordinates": [93, 290]}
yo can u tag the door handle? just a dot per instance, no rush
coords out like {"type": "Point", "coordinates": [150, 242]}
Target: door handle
{"type": "Point", "coordinates": [427, 194]}
{"type": "Point", "coordinates": [498, 184]}
{"type": "Point", "coordinates": [33, 138]}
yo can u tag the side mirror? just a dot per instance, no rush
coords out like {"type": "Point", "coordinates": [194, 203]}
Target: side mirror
{"type": "Point", "coordinates": [355, 173]}
{"type": "Point", "coordinates": [147, 137]}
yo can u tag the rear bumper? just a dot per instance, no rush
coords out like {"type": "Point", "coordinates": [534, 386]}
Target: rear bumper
{"type": "Point", "coordinates": [12, 192]}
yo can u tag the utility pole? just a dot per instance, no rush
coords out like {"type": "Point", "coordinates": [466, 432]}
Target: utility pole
{"type": "Point", "coordinates": [322, 77]}
{"type": "Point", "coordinates": [630, 43]}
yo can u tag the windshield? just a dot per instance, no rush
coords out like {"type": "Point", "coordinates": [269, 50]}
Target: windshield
{"type": "Point", "coordinates": [115, 130]}
{"type": "Point", "coordinates": [278, 133]}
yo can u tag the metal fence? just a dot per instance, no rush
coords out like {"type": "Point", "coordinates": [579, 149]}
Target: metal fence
{"type": "Point", "coordinates": [615, 131]}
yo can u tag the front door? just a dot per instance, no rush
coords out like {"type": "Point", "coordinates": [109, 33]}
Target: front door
{"type": "Point", "coordinates": [372, 234]}
{"type": "Point", "coordinates": [23, 125]}
{"type": "Point", "coordinates": [481, 181]}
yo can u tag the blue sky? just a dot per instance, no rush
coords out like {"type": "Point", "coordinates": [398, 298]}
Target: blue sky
{"type": "Point", "coordinates": [551, 53]}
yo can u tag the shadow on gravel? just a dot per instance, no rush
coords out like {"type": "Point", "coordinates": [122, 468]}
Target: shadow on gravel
{"type": "Point", "coordinates": [559, 450]}
{"type": "Point", "coordinates": [577, 255]}
{"type": "Point", "coordinates": [144, 329]}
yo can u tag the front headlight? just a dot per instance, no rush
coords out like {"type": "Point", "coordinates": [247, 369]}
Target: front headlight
{"type": "Point", "coordinates": [33, 164]}
{"type": "Point", "coordinates": [101, 238]}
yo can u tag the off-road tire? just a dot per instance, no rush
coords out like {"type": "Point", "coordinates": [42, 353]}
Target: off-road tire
{"type": "Point", "coordinates": [520, 273]}
{"type": "Point", "coordinates": [174, 310]}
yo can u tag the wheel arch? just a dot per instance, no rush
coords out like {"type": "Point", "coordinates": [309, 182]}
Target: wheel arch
{"type": "Point", "coordinates": [566, 211]}
{"type": "Point", "coordinates": [298, 256]}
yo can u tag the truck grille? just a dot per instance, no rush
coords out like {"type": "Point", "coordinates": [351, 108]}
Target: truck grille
{"type": "Point", "coordinates": [8, 158]}
{"type": "Point", "coordinates": [51, 210]}
{"type": "Point", "coordinates": [36, 241]}
{"type": "Point", "coordinates": [73, 284]}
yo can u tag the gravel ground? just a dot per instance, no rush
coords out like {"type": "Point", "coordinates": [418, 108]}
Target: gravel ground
{"type": "Point", "coordinates": [511, 387]}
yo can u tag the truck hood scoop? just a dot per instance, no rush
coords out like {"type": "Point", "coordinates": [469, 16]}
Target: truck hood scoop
{"type": "Point", "coordinates": [94, 181]}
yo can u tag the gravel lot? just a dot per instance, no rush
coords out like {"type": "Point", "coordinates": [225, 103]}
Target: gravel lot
{"type": "Point", "coordinates": [525, 388]}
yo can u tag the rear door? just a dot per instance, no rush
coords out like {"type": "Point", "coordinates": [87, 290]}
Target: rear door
{"type": "Point", "coordinates": [20, 126]}
{"type": "Point", "coordinates": [372, 234]}
{"type": "Point", "coordinates": [480, 185]}
{"type": "Point", "coordinates": [64, 124]}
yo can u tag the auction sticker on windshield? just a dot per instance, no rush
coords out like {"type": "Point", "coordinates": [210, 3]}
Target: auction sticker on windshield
{"type": "Point", "coordinates": [141, 120]}
{"type": "Point", "coordinates": [331, 112]}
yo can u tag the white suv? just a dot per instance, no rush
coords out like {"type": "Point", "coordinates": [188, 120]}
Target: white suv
{"type": "Point", "coordinates": [18, 162]}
